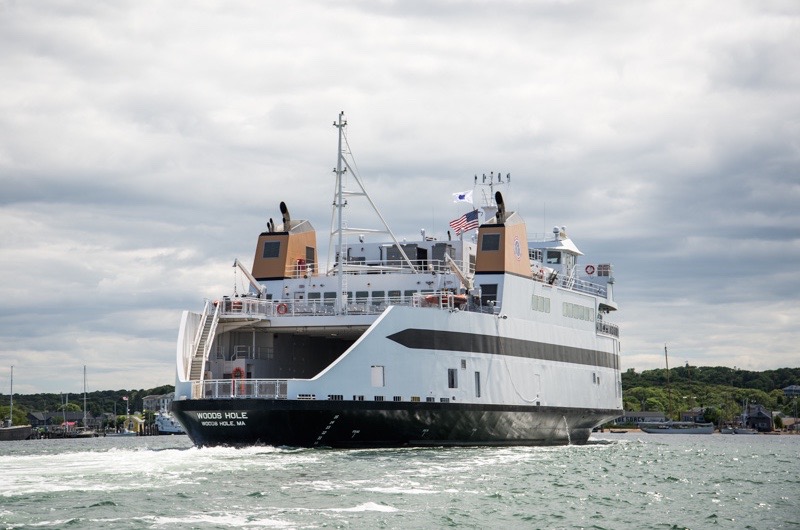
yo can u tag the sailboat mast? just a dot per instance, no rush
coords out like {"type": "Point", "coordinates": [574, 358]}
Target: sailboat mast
{"type": "Point", "coordinates": [11, 410]}
{"type": "Point", "coordinates": [84, 395]}
{"type": "Point", "coordinates": [669, 391]}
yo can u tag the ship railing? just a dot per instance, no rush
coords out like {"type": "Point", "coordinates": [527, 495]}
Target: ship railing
{"type": "Point", "coordinates": [259, 308]}
{"type": "Point", "coordinates": [607, 328]}
{"type": "Point", "coordinates": [240, 389]}
{"type": "Point", "coordinates": [584, 286]}
{"type": "Point", "coordinates": [394, 266]}
{"type": "Point", "coordinates": [249, 306]}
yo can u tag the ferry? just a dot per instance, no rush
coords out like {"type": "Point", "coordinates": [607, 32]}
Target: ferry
{"type": "Point", "coordinates": [484, 337]}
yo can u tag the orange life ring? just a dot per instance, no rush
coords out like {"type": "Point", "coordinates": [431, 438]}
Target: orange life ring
{"type": "Point", "coordinates": [282, 308]}
{"type": "Point", "coordinates": [238, 373]}
{"type": "Point", "coordinates": [590, 269]}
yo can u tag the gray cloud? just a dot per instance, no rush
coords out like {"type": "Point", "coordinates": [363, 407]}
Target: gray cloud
{"type": "Point", "coordinates": [143, 146]}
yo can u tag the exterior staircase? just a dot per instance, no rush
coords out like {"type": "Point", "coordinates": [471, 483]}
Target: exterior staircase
{"type": "Point", "coordinates": [206, 336]}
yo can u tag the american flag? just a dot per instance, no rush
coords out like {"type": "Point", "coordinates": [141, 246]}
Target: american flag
{"type": "Point", "coordinates": [468, 221]}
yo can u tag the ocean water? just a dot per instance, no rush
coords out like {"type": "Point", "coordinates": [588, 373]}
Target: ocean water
{"type": "Point", "coordinates": [616, 481]}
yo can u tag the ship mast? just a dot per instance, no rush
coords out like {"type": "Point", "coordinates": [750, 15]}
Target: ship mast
{"type": "Point", "coordinates": [338, 230]}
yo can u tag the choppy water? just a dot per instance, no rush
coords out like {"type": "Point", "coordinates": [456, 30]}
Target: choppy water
{"type": "Point", "coordinates": [617, 481]}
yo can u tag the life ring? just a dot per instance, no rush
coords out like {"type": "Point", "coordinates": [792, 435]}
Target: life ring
{"type": "Point", "coordinates": [590, 269]}
{"type": "Point", "coordinates": [282, 308]}
{"type": "Point", "coordinates": [238, 373]}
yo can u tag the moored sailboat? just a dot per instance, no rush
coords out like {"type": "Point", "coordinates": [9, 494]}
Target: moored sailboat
{"type": "Point", "coordinates": [8, 431]}
{"type": "Point", "coordinates": [675, 427]}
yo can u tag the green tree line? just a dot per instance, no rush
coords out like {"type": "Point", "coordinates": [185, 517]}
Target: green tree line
{"type": "Point", "coordinates": [720, 390]}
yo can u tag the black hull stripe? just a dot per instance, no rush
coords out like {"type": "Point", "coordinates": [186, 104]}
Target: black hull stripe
{"type": "Point", "coordinates": [431, 339]}
{"type": "Point", "coordinates": [345, 424]}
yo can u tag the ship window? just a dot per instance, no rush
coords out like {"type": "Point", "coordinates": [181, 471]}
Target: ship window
{"type": "Point", "coordinates": [452, 378]}
{"type": "Point", "coordinates": [314, 296]}
{"type": "Point", "coordinates": [490, 242]}
{"type": "Point", "coordinates": [463, 364]}
{"type": "Point", "coordinates": [272, 249]}
{"type": "Point", "coordinates": [394, 297]}
{"type": "Point", "coordinates": [553, 257]}
{"type": "Point", "coordinates": [488, 293]}
{"type": "Point", "coordinates": [409, 295]}
{"type": "Point", "coordinates": [310, 259]}
{"type": "Point", "coordinates": [540, 303]}
{"type": "Point", "coordinates": [330, 297]}
{"type": "Point", "coordinates": [604, 269]}
{"type": "Point", "coordinates": [477, 384]}
{"type": "Point", "coordinates": [535, 254]}
{"type": "Point", "coordinates": [378, 296]}
{"type": "Point", "coordinates": [377, 376]}
{"type": "Point", "coordinates": [361, 296]}
{"type": "Point", "coordinates": [430, 399]}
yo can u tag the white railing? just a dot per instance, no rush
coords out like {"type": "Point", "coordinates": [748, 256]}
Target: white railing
{"type": "Point", "coordinates": [259, 308]}
{"type": "Point", "coordinates": [302, 269]}
{"type": "Point", "coordinates": [240, 389]}
{"type": "Point", "coordinates": [607, 328]}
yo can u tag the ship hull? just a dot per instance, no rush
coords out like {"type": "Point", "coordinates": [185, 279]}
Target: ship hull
{"type": "Point", "coordinates": [677, 428]}
{"type": "Point", "coordinates": [20, 432]}
{"type": "Point", "coordinates": [353, 424]}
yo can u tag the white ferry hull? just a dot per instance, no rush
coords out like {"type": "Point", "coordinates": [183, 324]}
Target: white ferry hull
{"type": "Point", "coordinates": [523, 398]}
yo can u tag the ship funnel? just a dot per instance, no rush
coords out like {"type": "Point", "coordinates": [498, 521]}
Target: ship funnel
{"type": "Point", "coordinates": [286, 218]}
{"type": "Point", "coordinates": [501, 208]}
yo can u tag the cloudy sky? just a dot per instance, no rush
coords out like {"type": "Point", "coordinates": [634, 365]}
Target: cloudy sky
{"type": "Point", "coordinates": [144, 144]}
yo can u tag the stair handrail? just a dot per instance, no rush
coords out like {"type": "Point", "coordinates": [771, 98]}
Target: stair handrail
{"type": "Point", "coordinates": [209, 340]}
{"type": "Point", "coordinates": [199, 332]}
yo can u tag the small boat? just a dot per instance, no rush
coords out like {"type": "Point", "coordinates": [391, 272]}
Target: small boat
{"type": "Point", "coordinates": [677, 427]}
{"type": "Point", "coordinates": [130, 421]}
{"type": "Point", "coordinates": [8, 431]}
{"type": "Point", "coordinates": [167, 424]}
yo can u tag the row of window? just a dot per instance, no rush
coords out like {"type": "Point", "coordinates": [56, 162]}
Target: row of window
{"type": "Point", "coordinates": [363, 296]}
{"type": "Point", "coordinates": [578, 311]}
{"type": "Point", "coordinates": [540, 303]}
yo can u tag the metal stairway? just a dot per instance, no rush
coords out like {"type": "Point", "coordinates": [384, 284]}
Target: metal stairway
{"type": "Point", "coordinates": [203, 342]}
